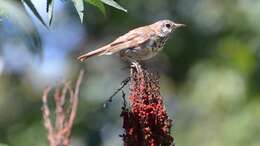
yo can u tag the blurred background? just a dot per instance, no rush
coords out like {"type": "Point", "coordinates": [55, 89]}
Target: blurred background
{"type": "Point", "coordinates": [209, 70]}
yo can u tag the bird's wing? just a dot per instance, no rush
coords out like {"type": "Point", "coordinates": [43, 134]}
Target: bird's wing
{"type": "Point", "coordinates": [129, 40]}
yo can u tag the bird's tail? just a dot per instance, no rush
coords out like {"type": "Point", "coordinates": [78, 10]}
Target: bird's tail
{"type": "Point", "coordinates": [96, 52]}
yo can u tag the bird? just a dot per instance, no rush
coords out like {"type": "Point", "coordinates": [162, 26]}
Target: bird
{"type": "Point", "coordinates": [139, 44]}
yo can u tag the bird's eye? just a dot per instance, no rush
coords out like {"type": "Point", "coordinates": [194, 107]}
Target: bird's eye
{"type": "Point", "coordinates": [168, 25]}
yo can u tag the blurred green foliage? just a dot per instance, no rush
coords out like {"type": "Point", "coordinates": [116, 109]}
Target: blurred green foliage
{"type": "Point", "coordinates": [209, 70]}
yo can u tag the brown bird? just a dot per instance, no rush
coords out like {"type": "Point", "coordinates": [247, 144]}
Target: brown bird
{"type": "Point", "coordinates": [138, 44]}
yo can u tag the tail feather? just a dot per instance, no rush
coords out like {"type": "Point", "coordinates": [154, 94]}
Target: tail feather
{"type": "Point", "coordinates": [97, 52]}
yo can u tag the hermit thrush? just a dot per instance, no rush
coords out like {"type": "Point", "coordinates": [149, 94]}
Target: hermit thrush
{"type": "Point", "coordinates": [138, 44]}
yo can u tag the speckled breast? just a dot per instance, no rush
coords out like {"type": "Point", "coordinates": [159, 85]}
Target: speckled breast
{"type": "Point", "coordinates": [145, 51]}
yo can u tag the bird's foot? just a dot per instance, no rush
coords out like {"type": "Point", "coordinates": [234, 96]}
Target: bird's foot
{"type": "Point", "coordinates": [137, 66]}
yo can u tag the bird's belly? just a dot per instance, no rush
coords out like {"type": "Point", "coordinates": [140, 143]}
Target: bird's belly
{"type": "Point", "coordinates": [139, 53]}
{"type": "Point", "coordinates": [145, 51]}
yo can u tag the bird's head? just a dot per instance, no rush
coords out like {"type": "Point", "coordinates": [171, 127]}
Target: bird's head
{"type": "Point", "coordinates": [164, 27]}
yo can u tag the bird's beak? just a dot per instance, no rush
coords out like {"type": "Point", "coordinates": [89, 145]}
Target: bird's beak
{"type": "Point", "coordinates": [179, 25]}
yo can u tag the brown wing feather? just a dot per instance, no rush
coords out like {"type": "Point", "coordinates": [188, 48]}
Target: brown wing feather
{"type": "Point", "coordinates": [129, 40]}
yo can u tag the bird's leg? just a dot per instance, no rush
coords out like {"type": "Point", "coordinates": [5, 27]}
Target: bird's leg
{"type": "Point", "coordinates": [137, 66]}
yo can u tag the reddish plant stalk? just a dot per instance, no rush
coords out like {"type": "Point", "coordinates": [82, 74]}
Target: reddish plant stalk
{"type": "Point", "coordinates": [146, 122]}
{"type": "Point", "coordinates": [60, 132]}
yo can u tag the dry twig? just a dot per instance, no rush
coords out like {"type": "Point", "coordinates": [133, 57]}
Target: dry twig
{"type": "Point", "coordinates": [123, 84]}
{"type": "Point", "coordinates": [59, 133]}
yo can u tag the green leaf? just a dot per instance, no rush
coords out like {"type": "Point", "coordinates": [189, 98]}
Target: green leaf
{"type": "Point", "coordinates": [98, 4]}
{"type": "Point", "coordinates": [114, 4]}
{"type": "Point", "coordinates": [34, 10]}
{"type": "Point", "coordinates": [79, 5]}
{"type": "Point", "coordinates": [1, 14]}
{"type": "Point", "coordinates": [50, 6]}
{"type": "Point", "coordinates": [15, 12]}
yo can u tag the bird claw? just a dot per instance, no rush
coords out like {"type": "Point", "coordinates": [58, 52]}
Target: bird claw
{"type": "Point", "coordinates": [137, 66]}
